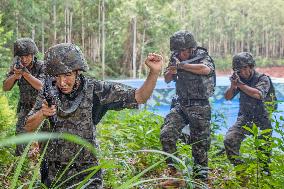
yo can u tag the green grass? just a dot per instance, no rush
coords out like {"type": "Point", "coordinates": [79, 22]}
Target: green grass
{"type": "Point", "coordinates": [130, 152]}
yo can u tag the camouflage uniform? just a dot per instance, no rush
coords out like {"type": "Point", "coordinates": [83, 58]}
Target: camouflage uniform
{"type": "Point", "coordinates": [28, 94]}
{"type": "Point", "coordinates": [78, 113]}
{"type": "Point", "coordinates": [251, 111]}
{"type": "Point", "coordinates": [192, 108]}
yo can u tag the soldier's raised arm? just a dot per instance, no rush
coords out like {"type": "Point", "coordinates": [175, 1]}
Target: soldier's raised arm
{"type": "Point", "coordinates": [154, 62]}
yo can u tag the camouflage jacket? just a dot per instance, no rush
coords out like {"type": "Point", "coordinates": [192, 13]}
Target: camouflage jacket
{"type": "Point", "coordinates": [79, 113]}
{"type": "Point", "coordinates": [195, 86]}
{"type": "Point", "coordinates": [250, 106]}
{"type": "Point", "coordinates": [28, 94]}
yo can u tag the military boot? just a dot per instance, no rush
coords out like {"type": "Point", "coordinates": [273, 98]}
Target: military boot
{"type": "Point", "coordinates": [173, 183]}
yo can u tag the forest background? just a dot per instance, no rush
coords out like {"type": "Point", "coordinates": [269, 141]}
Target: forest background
{"type": "Point", "coordinates": [116, 36]}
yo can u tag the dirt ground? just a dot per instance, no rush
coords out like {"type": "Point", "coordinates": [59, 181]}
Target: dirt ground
{"type": "Point", "coordinates": [271, 71]}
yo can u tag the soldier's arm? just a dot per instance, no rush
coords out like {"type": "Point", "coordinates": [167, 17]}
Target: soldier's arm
{"type": "Point", "coordinates": [12, 77]}
{"type": "Point", "coordinates": [261, 88]}
{"type": "Point", "coordinates": [34, 120]}
{"type": "Point", "coordinates": [230, 92]}
{"type": "Point", "coordinates": [233, 89]}
{"type": "Point", "coordinates": [252, 92]}
{"type": "Point", "coordinates": [122, 96]}
{"type": "Point", "coordinates": [9, 83]}
{"type": "Point", "coordinates": [168, 74]}
{"type": "Point", "coordinates": [33, 81]}
{"type": "Point", "coordinates": [205, 67]}
{"type": "Point", "coordinates": [154, 62]}
{"type": "Point", "coordinates": [200, 69]}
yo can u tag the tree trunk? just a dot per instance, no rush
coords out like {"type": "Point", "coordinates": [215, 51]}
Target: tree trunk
{"type": "Point", "coordinates": [103, 39]}
{"type": "Point", "coordinates": [70, 27]}
{"type": "Point", "coordinates": [100, 31]}
{"type": "Point", "coordinates": [282, 48]}
{"type": "Point", "coordinates": [83, 29]}
{"type": "Point", "coordinates": [68, 24]}
{"type": "Point", "coordinates": [65, 25]}
{"type": "Point", "coordinates": [54, 23]}
{"type": "Point", "coordinates": [33, 32]}
{"type": "Point", "coordinates": [42, 36]}
{"type": "Point", "coordinates": [225, 45]}
{"type": "Point", "coordinates": [134, 48]}
{"type": "Point", "coordinates": [16, 13]}
{"type": "Point", "coordinates": [266, 45]}
{"type": "Point", "coordinates": [141, 56]}
{"type": "Point", "coordinates": [94, 49]}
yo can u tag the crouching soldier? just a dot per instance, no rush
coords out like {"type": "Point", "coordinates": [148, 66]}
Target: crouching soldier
{"type": "Point", "coordinates": [76, 110]}
{"type": "Point", "coordinates": [255, 90]}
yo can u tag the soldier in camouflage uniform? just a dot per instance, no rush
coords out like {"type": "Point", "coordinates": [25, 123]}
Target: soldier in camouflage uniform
{"type": "Point", "coordinates": [194, 85]}
{"type": "Point", "coordinates": [28, 73]}
{"type": "Point", "coordinates": [81, 104]}
{"type": "Point", "coordinates": [253, 88]}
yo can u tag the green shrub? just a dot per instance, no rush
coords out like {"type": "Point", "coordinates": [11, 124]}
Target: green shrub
{"type": "Point", "coordinates": [121, 134]}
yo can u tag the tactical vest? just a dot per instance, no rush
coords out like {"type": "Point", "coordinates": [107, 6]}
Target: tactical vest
{"type": "Point", "coordinates": [194, 86]}
{"type": "Point", "coordinates": [28, 94]}
{"type": "Point", "coordinates": [74, 117]}
{"type": "Point", "coordinates": [271, 97]}
{"type": "Point", "coordinates": [250, 106]}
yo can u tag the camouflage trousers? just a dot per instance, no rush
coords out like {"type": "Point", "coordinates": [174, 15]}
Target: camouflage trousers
{"type": "Point", "coordinates": [53, 171]}
{"type": "Point", "coordinates": [236, 134]}
{"type": "Point", "coordinates": [198, 117]}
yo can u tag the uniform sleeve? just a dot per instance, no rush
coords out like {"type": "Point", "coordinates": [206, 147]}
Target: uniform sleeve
{"type": "Point", "coordinates": [208, 62]}
{"type": "Point", "coordinates": [41, 74]}
{"type": "Point", "coordinates": [263, 86]}
{"type": "Point", "coordinates": [38, 104]}
{"type": "Point", "coordinates": [118, 94]}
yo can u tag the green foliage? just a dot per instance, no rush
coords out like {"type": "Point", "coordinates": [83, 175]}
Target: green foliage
{"type": "Point", "coordinates": [7, 121]}
{"type": "Point", "coordinates": [225, 28]}
{"type": "Point", "coordinates": [7, 116]}
{"type": "Point", "coordinates": [122, 133]}
{"type": "Point", "coordinates": [5, 53]}
{"type": "Point", "coordinates": [223, 63]}
{"type": "Point", "coordinates": [130, 155]}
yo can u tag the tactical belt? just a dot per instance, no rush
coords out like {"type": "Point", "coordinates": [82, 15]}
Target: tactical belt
{"type": "Point", "coordinates": [195, 102]}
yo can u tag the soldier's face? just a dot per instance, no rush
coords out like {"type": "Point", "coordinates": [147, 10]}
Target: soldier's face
{"type": "Point", "coordinates": [186, 54]}
{"type": "Point", "coordinates": [26, 60]}
{"type": "Point", "coordinates": [65, 82]}
{"type": "Point", "coordinates": [245, 72]}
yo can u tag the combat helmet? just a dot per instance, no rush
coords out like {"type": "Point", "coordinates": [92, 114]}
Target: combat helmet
{"type": "Point", "coordinates": [25, 46]}
{"type": "Point", "coordinates": [182, 40]}
{"type": "Point", "coordinates": [242, 59]}
{"type": "Point", "coordinates": [63, 58]}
